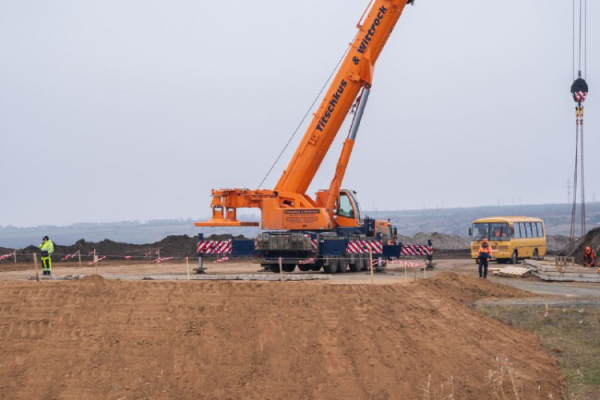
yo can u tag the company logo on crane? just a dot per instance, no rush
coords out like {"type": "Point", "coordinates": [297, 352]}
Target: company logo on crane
{"type": "Point", "coordinates": [367, 39]}
{"type": "Point", "coordinates": [331, 106]}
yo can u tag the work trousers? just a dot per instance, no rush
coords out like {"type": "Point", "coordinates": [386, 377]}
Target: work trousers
{"type": "Point", "coordinates": [483, 266]}
{"type": "Point", "coordinates": [47, 265]}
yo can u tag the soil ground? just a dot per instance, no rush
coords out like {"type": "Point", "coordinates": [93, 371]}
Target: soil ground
{"type": "Point", "coordinates": [344, 338]}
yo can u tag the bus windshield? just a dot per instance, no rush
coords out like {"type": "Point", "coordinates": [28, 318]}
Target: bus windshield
{"type": "Point", "coordinates": [494, 231]}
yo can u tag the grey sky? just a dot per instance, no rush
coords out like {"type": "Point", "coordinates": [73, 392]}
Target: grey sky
{"type": "Point", "coordinates": [122, 110]}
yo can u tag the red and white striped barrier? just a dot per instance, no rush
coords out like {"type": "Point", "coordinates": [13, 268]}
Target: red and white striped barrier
{"type": "Point", "coordinates": [215, 247]}
{"type": "Point", "coordinates": [99, 259]}
{"type": "Point", "coordinates": [307, 261]}
{"type": "Point", "coordinates": [363, 246]}
{"type": "Point", "coordinates": [4, 257]}
{"type": "Point", "coordinates": [127, 257]}
{"type": "Point", "coordinates": [68, 257]}
{"type": "Point", "coordinates": [416, 250]}
{"type": "Point", "coordinates": [220, 260]}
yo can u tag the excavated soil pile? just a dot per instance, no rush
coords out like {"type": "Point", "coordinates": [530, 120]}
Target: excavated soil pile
{"type": "Point", "coordinates": [106, 339]}
{"type": "Point", "coordinates": [592, 239]}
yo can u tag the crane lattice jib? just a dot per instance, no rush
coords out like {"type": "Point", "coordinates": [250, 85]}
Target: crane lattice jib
{"type": "Point", "coordinates": [355, 72]}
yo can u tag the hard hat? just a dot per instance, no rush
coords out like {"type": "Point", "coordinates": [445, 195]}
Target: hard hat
{"type": "Point", "coordinates": [588, 249]}
{"type": "Point", "coordinates": [485, 240]}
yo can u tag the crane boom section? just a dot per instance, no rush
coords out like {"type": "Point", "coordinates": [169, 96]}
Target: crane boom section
{"type": "Point", "coordinates": [355, 72]}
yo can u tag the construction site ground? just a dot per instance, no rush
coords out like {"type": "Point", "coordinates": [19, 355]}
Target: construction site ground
{"type": "Point", "coordinates": [412, 334]}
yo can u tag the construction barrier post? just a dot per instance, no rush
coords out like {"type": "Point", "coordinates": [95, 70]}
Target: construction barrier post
{"type": "Point", "coordinates": [37, 277]}
{"type": "Point", "coordinates": [79, 254]}
{"type": "Point", "coordinates": [96, 261]}
{"type": "Point", "coordinates": [281, 269]}
{"type": "Point", "coordinates": [187, 265]}
{"type": "Point", "coordinates": [15, 255]}
{"type": "Point", "coordinates": [371, 263]}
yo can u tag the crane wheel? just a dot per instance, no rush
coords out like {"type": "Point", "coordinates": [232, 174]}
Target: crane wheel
{"type": "Point", "coordinates": [331, 266]}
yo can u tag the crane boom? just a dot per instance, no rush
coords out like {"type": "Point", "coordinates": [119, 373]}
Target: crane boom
{"type": "Point", "coordinates": [355, 72]}
{"type": "Point", "coordinates": [288, 206]}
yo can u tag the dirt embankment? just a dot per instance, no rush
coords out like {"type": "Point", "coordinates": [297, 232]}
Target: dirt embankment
{"type": "Point", "coordinates": [97, 338]}
{"type": "Point", "coordinates": [592, 239]}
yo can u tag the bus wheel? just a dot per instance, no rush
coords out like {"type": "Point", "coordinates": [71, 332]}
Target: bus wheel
{"type": "Point", "coordinates": [536, 255]}
{"type": "Point", "coordinates": [514, 258]}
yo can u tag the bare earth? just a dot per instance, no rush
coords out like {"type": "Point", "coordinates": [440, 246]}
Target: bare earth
{"type": "Point", "coordinates": [97, 338]}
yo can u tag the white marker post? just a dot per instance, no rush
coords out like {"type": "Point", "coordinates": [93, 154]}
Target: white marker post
{"type": "Point", "coordinates": [281, 269]}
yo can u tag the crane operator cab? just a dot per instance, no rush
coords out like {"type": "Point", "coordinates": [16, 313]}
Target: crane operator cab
{"type": "Point", "coordinates": [347, 212]}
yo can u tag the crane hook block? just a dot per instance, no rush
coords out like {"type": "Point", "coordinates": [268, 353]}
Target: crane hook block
{"type": "Point", "coordinates": [579, 90]}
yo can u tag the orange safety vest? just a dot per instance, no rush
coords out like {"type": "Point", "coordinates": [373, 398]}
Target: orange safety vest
{"type": "Point", "coordinates": [485, 250]}
{"type": "Point", "coordinates": [589, 258]}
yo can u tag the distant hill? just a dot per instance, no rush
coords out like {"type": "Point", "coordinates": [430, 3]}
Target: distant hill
{"type": "Point", "coordinates": [455, 221]}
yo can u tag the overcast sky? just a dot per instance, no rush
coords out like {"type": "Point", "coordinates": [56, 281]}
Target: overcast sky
{"type": "Point", "coordinates": [123, 110]}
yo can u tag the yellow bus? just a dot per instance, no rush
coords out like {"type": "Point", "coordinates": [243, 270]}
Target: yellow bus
{"type": "Point", "coordinates": [512, 238]}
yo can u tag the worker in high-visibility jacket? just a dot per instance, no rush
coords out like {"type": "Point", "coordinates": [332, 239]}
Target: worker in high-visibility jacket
{"type": "Point", "coordinates": [485, 253]}
{"type": "Point", "coordinates": [589, 257]}
{"type": "Point", "coordinates": [47, 248]}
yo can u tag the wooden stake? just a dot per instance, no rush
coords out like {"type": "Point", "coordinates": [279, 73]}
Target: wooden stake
{"type": "Point", "coordinates": [187, 265]}
{"type": "Point", "coordinates": [79, 254]}
{"type": "Point", "coordinates": [281, 269]}
{"type": "Point", "coordinates": [37, 277]}
{"type": "Point", "coordinates": [15, 255]}
{"type": "Point", "coordinates": [371, 262]}
{"type": "Point", "coordinates": [96, 261]}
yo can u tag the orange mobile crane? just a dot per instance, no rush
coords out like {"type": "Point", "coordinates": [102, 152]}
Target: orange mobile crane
{"type": "Point", "coordinates": [324, 229]}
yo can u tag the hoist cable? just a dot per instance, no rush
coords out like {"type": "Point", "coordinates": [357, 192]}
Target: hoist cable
{"type": "Point", "coordinates": [304, 118]}
{"type": "Point", "coordinates": [574, 204]}
{"type": "Point", "coordinates": [585, 38]}
{"type": "Point", "coordinates": [582, 177]}
{"type": "Point", "coordinates": [580, 25]}
{"type": "Point", "coordinates": [573, 34]}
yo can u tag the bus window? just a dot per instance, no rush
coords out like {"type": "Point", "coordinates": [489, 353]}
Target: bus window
{"type": "Point", "coordinates": [540, 229]}
{"type": "Point", "coordinates": [499, 232]}
{"type": "Point", "coordinates": [480, 231]}
{"type": "Point", "coordinates": [534, 229]}
{"type": "Point", "coordinates": [529, 231]}
{"type": "Point", "coordinates": [517, 230]}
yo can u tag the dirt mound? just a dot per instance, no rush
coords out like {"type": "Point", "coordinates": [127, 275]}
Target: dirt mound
{"type": "Point", "coordinates": [592, 239]}
{"type": "Point", "coordinates": [92, 279]}
{"type": "Point", "coordinates": [441, 241]}
{"type": "Point", "coordinates": [557, 244]}
{"type": "Point", "coordinates": [188, 340]}
{"type": "Point", "coordinates": [467, 289]}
